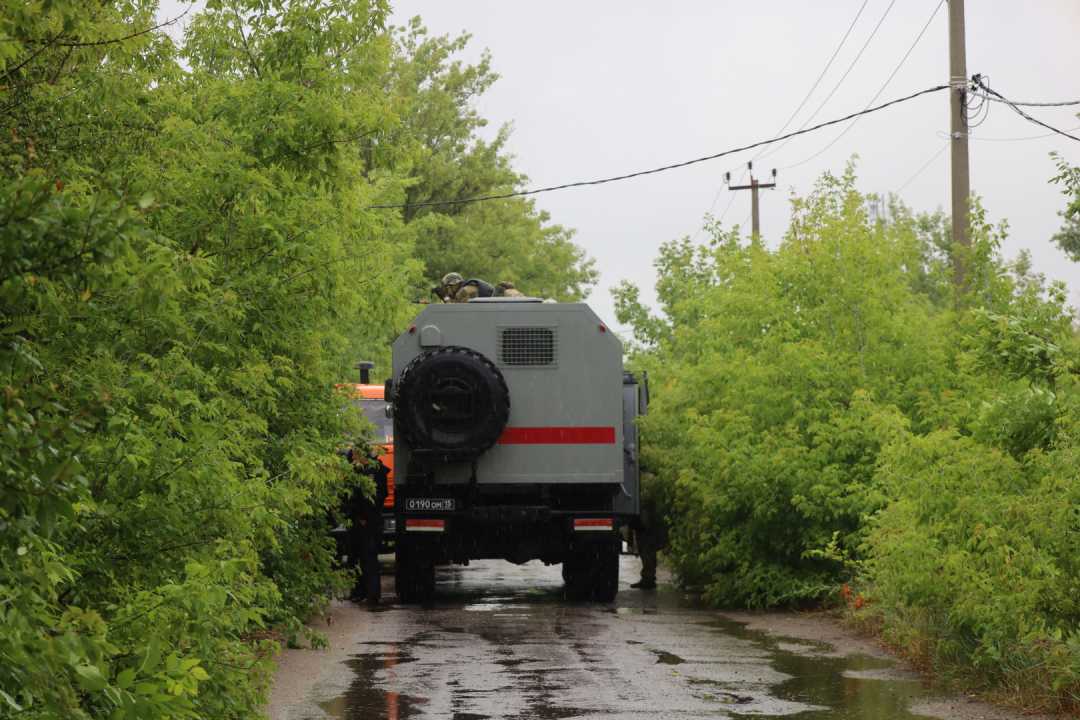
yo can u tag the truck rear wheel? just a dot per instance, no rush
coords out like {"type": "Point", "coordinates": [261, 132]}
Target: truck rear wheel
{"type": "Point", "coordinates": [591, 572]}
{"type": "Point", "coordinates": [414, 573]}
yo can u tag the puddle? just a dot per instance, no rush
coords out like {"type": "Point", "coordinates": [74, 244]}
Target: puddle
{"type": "Point", "coordinates": [855, 687]}
{"type": "Point", "coordinates": [632, 611]}
{"type": "Point", "coordinates": [482, 653]}
{"type": "Point", "coordinates": [365, 699]}
{"type": "Point", "coordinates": [487, 606]}
{"type": "Point", "coordinates": [714, 684]}
{"type": "Point", "coordinates": [728, 698]}
{"type": "Point", "coordinates": [662, 656]}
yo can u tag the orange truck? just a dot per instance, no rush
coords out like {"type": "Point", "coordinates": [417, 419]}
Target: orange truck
{"type": "Point", "coordinates": [368, 399]}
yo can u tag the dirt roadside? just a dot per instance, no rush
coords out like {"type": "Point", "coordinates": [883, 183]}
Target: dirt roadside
{"type": "Point", "coordinates": [846, 641]}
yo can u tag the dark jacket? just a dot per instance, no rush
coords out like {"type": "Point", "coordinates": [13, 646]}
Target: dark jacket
{"type": "Point", "coordinates": [358, 506]}
{"type": "Point", "coordinates": [484, 289]}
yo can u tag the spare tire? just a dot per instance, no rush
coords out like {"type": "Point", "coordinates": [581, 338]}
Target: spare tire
{"type": "Point", "coordinates": [451, 402]}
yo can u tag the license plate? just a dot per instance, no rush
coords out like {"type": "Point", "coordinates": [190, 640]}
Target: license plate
{"type": "Point", "coordinates": [429, 504]}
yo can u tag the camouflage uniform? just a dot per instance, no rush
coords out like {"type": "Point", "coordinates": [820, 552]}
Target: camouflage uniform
{"type": "Point", "coordinates": [651, 533]}
{"type": "Point", "coordinates": [466, 293]}
{"type": "Point", "coordinates": [453, 289]}
{"type": "Point", "coordinates": [506, 289]}
{"type": "Point", "coordinates": [456, 289]}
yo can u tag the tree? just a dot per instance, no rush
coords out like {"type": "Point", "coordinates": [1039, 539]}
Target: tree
{"type": "Point", "coordinates": [184, 250]}
{"type": "Point", "coordinates": [754, 428]}
{"type": "Point", "coordinates": [509, 240]}
{"type": "Point", "coordinates": [1068, 238]}
{"type": "Point", "coordinates": [831, 422]}
{"type": "Point", "coordinates": [974, 560]}
{"type": "Point", "coordinates": [497, 240]}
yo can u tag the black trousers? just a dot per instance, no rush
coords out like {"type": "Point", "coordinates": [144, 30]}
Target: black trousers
{"type": "Point", "coordinates": [363, 551]}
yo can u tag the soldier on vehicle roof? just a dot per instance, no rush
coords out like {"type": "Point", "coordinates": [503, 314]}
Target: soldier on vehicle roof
{"type": "Point", "coordinates": [455, 289]}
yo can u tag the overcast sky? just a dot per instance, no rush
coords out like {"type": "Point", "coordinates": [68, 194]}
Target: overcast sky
{"type": "Point", "coordinates": [596, 89]}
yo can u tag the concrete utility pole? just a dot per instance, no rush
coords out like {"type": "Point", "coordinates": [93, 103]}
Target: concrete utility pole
{"type": "Point", "coordinates": [753, 188]}
{"type": "Point", "coordinates": [961, 180]}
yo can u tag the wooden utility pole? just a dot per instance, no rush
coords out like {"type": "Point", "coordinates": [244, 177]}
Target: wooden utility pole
{"type": "Point", "coordinates": [961, 180]}
{"type": "Point", "coordinates": [753, 188]}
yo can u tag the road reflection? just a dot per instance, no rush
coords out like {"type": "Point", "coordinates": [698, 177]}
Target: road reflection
{"type": "Point", "coordinates": [499, 642]}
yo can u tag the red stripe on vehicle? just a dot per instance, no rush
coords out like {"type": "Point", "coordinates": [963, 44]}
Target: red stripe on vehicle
{"type": "Point", "coordinates": [592, 524]}
{"type": "Point", "coordinates": [558, 436]}
{"type": "Point", "coordinates": [426, 525]}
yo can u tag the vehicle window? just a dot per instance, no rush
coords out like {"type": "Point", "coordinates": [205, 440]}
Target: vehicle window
{"type": "Point", "coordinates": [375, 411]}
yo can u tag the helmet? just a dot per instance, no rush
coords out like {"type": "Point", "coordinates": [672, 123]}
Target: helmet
{"type": "Point", "coordinates": [452, 279]}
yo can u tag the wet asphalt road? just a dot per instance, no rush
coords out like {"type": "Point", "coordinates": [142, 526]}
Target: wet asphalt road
{"type": "Point", "coordinates": [500, 642]}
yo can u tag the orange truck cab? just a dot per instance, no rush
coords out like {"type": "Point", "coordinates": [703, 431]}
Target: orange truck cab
{"type": "Point", "coordinates": [368, 398]}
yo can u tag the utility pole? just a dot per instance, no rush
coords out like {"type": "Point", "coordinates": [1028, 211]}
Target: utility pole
{"type": "Point", "coordinates": [961, 180]}
{"type": "Point", "coordinates": [753, 188]}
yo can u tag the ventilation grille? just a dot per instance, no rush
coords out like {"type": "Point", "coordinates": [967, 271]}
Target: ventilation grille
{"type": "Point", "coordinates": [529, 346]}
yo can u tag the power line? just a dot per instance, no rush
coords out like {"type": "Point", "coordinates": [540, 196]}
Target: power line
{"type": "Point", "coordinates": [521, 193]}
{"type": "Point", "coordinates": [1033, 137]}
{"type": "Point", "coordinates": [841, 82]}
{"type": "Point", "coordinates": [702, 227]}
{"type": "Point", "coordinates": [753, 187]}
{"type": "Point", "coordinates": [822, 75]}
{"type": "Point", "coordinates": [924, 166]}
{"type": "Point", "coordinates": [983, 108]}
{"type": "Point", "coordinates": [741, 178]}
{"type": "Point", "coordinates": [784, 127]}
{"type": "Point", "coordinates": [1025, 104]}
{"type": "Point", "coordinates": [977, 80]}
{"type": "Point", "coordinates": [722, 183]}
{"type": "Point", "coordinates": [902, 61]}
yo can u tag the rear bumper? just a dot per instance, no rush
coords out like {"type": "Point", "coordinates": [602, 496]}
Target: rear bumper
{"type": "Point", "coordinates": [458, 523]}
{"type": "Point", "coordinates": [517, 534]}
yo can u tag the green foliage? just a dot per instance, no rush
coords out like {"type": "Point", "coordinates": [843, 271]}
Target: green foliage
{"type": "Point", "coordinates": [835, 411]}
{"type": "Point", "coordinates": [184, 253]}
{"type": "Point", "coordinates": [933, 232]}
{"type": "Point", "coordinates": [975, 560]}
{"type": "Point", "coordinates": [189, 264]}
{"type": "Point", "coordinates": [1068, 239]}
{"type": "Point", "coordinates": [433, 95]}
{"type": "Point", "coordinates": [507, 239]}
{"type": "Point", "coordinates": [757, 364]}
{"type": "Point", "coordinates": [982, 535]}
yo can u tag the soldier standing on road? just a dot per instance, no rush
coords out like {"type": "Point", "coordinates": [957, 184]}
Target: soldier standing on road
{"type": "Point", "coordinates": [365, 527]}
{"type": "Point", "coordinates": [651, 533]}
{"type": "Point", "coordinates": [455, 289]}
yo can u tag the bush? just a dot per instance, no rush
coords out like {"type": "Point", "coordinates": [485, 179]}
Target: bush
{"type": "Point", "coordinates": [832, 414]}
{"type": "Point", "coordinates": [754, 429]}
{"type": "Point", "coordinates": [184, 252]}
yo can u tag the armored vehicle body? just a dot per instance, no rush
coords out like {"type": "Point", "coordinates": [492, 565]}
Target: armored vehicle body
{"type": "Point", "coordinates": [514, 439]}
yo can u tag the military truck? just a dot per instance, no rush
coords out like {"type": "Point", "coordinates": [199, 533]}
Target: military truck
{"type": "Point", "coordinates": [514, 439]}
